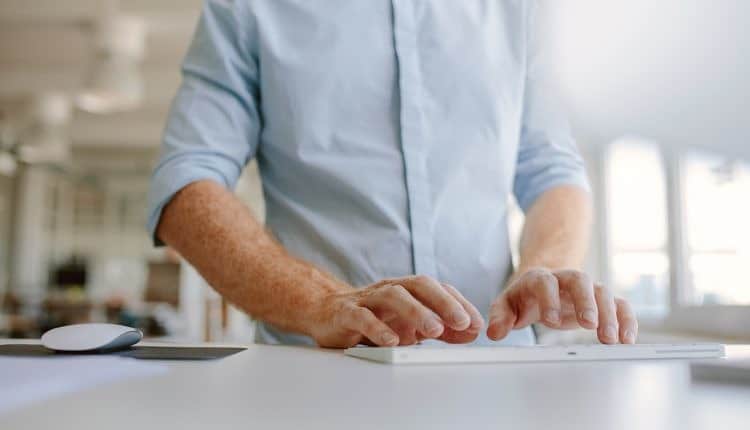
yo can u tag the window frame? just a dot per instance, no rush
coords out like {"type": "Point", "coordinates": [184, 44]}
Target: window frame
{"type": "Point", "coordinates": [720, 321]}
{"type": "Point", "coordinates": [604, 243]}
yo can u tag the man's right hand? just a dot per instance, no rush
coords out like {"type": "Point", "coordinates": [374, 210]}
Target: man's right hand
{"type": "Point", "coordinates": [396, 312]}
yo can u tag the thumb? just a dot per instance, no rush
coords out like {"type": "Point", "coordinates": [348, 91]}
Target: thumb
{"type": "Point", "coordinates": [502, 318]}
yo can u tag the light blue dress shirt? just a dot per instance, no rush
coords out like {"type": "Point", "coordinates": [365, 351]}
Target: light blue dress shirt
{"type": "Point", "coordinates": [389, 133]}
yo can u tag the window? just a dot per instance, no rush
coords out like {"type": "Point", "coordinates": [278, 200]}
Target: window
{"type": "Point", "coordinates": [636, 205]}
{"type": "Point", "coordinates": [717, 219]}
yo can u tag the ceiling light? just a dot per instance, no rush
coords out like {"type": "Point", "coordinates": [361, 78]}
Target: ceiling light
{"type": "Point", "coordinates": [46, 140]}
{"type": "Point", "coordinates": [115, 82]}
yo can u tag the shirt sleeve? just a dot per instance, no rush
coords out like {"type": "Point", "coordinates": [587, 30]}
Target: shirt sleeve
{"type": "Point", "coordinates": [547, 154]}
{"type": "Point", "coordinates": [212, 130]}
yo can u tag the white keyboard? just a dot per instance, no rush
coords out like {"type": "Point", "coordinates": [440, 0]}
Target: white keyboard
{"type": "Point", "coordinates": [435, 354]}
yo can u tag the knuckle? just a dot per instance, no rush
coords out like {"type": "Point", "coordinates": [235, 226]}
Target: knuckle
{"type": "Point", "coordinates": [422, 279]}
{"type": "Point", "coordinates": [390, 291]}
{"type": "Point", "coordinates": [580, 276]}
{"type": "Point", "coordinates": [345, 316]}
{"type": "Point", "coordinates": [579, 280]}
{"type": "Point", "coordinates": [401, 289]}
{"type": "Point", "coordinates": [538, 273]}
{"type": "Point", "coordinates": [547, 278]}
{"type": "Point", "coordinates": [398, 291]}
{"type": "Point", "coordinates": [544, 282]}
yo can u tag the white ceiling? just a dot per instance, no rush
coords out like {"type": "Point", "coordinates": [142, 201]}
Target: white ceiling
{"type": "Point", "coordinates": [45, 46]}
{"type": "Point", "coordinates": [672, 70]}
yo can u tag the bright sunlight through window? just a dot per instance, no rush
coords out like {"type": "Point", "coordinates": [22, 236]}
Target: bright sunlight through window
{"type": "Point", "coordinates": [717, 203]}
{"type": "Point", "coordinates": [636, 202]}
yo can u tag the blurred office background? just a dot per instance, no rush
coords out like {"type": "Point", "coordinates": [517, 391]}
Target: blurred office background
{"type": "Point", "coordinates": [657, 94]}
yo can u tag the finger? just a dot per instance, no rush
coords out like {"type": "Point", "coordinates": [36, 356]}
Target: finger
{"type": "Point", "coordinates": [407, 335]}
{"type": "Point", "coordinates": [477, 322]}
{"type": "Point", "coordinates": [608, 326]}
{"type": "Point", "coordinates": [408, 339]}
{"type": "Point", "coordinates": [502, 318]}
{"type": "Point", "coordinates": [472, 332]}
{"type": "Point", "coordinates": [581, 290]}
{"type": "Point", "coordinates": [458, 337]}
{"type": "Point", "coordinates": [628, 321]}
{"type": "Point", "coordinates": [397, 299]}
{"type": "Point", "coordinates": [569, 318]}
{"type": "Point", "coordinates": [432, 294]}
{"type": "Point", "coordinates": [362, 320]}
{"type": "Point", "coordinates": [543, 286]}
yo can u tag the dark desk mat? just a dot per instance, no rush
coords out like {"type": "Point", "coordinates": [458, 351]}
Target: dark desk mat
{"type": "Point", "coordinates": [165, 352]}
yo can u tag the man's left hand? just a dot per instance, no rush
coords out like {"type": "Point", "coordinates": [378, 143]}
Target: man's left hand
{"type": "Point", "coordinates": [562, 299]}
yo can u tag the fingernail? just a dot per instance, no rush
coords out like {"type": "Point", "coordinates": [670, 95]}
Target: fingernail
{"type": "Point", "coordinates": [552, 316]}
{"type": "Point", "coordinates": [388, 339]}
{"type": "Point", "coordinates": [496, 331]}
{"type": "Point", "coordinates": [432, 327]}
{"type": "Point", "coordinates": [610, 332]}
{"type": "Point", "coordinates": [588, 315]}
{"type": "Point", "coordinates": [629, 336]}
{"type": "Point", "coordinates": [460, 318]}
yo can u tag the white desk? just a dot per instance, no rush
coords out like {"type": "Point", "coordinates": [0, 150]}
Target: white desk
{"type": "Point", "coordinates": [278, 387]}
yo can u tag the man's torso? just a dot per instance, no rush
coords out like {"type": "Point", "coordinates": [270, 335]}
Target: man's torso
{"type": "Point", "coordinates": [390, 135]}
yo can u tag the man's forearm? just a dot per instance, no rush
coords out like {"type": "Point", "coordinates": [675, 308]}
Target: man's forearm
{"type": "Point", "coordinates": [548, 287]}
{"type": "Point", "coordinates": [219, 235]}
{"type": "Point", "coordinates": [557, 229]}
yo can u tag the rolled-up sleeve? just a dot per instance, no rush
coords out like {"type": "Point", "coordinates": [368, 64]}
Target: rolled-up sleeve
{"type": "Point", "coordinates": [213, 125]}
{"type": "Point", "coordinates": [547, 154]}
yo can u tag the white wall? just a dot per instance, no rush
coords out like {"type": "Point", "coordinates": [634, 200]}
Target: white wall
{"type": "Point", "coordinates": [671, 70]}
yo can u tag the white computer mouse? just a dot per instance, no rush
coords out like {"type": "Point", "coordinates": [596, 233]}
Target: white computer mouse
{"type": "Point", "coordinates": [91, 337]}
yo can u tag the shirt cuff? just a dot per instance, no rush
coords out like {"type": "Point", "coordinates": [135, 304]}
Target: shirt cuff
{"type": "Point", "coordinates": [578, 179]}
{"type": "Point", "coordinates": [174, 175]}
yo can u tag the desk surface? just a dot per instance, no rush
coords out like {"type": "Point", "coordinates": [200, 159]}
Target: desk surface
{"type": "Point", "coordinates": [284, 387]}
